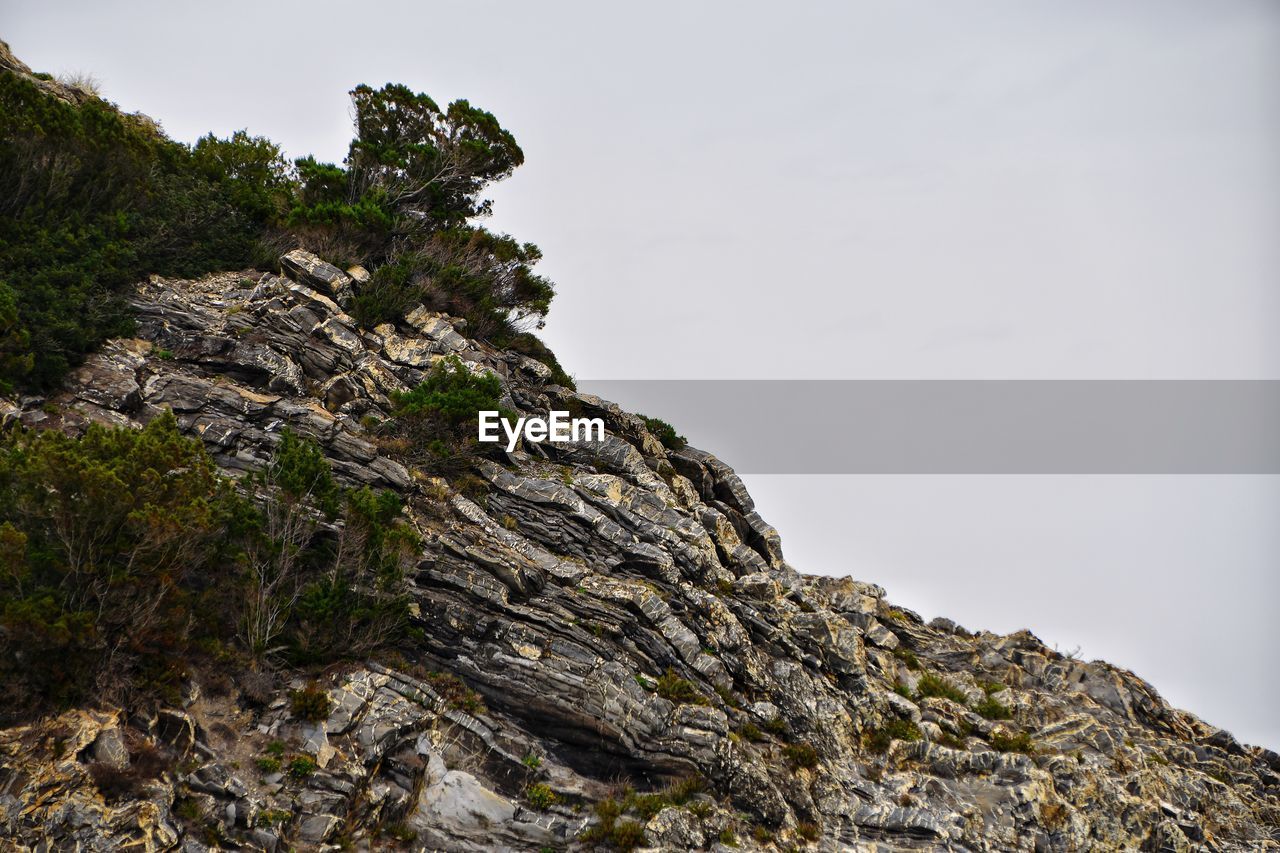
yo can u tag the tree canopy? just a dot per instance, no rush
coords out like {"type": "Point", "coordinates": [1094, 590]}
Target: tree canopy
{"type": "Point", "coordinates": [93, 200]}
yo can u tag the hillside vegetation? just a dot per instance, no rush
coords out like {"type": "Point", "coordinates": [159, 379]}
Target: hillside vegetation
{"type": "Point", "coordinates": [93, 200]}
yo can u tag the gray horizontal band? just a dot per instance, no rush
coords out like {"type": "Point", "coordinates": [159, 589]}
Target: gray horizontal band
{"type": "Point", "coordinates": [970, 426]}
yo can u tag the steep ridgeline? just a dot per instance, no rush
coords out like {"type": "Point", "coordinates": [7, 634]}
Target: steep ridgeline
{"type": "Point", "coordinates": [611, 651]}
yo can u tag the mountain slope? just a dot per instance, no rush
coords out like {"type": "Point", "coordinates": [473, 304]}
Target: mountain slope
{"type": "Point", "coordinates": [610, 649]}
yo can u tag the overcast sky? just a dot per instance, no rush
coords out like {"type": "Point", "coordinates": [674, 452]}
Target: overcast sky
{"type": "Point", "coordinates": [855, 190]}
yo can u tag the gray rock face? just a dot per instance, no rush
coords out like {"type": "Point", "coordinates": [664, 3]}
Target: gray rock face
{"type": "Point", "coordinates": [627, 621]}
{"type": "Point", "coordinates": [306, 268]}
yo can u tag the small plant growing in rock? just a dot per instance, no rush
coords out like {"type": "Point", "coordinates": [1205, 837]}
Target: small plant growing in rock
{"type": "Point", "coordinates": [808, 831]}
{"type": "Point", "coordinates": [541, 796]}
{"type": "Point", "coordinates": [455, 692]}
{"type": "Point", "coordinates": [728, 837]}
{"type": "Point", "coordinates": [762, 834]}
{"type": "Point", "coordinates": [993, 710]}
{"type": "Point", "coordinates": [907, 656]}
{"type": "Point", "coordinates": [727, 697]}
{"type": "Point", "coordinates": [800, 755]}
{"type": "Point", "coordinates": [751, 732]}
{"type": "Point", "coordinates": [401, 832]}
{"type": "Point", "coordinates": [268, 764]}
{"type": "Point", "coordinates": [933, 685]}
{"type": "Point", "coordinates": [186, 808]}
{"type": "Point", "coordinates": [679, 690]}
{"type": "Point", "coordinates": [878, 740]}
{"type": "Point", "coordinates": [1004, 742]}
{"type": "Point", "coordinates": [622, 835]}
{"type": "Point", "coordinates": [276, 748]}
{"type": "Point", "coordinates": [311, 703]}
{"type": "Point", "coordinates": [627, 835]}
{"type": "Point", "coordinates": [509, 522]}
{"type": "Point", "coordinates": [274, 817]}
{"type": "Point", "coordinates": [776, 725]}
{"type": "Point", "coordinates": [302, 766]}
{"type": "Point", "coordinates": [700, 809]}
{"type": "Point", "coordinates": [531, 761]}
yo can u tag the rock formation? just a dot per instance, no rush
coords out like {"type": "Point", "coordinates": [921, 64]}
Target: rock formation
{"type": "Point", "coordinates": [614, 652]}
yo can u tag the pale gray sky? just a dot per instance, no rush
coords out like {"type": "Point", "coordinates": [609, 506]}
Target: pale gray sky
{"type": "Point", "coordinates": [1016, 189]}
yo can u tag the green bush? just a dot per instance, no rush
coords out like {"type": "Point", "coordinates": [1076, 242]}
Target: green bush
{"type": "Point", "coordinates": [907, 656]}
{"type": "Point", "coordinates": [679, 690]}
{"type": "Point", "coordinates": [664, 432]}
{"type": "Point", "coordinates": [800, 755]}
{"type": "Point", "coordinates": [1017, 742]}
{"type": "Point", "coordinates": [125, 558]}
{"type": "Point", "coordinates": [933, 685]}
{"type": "Point", "coordinates": [451, 392]}
{"type": "Point", "coordinates": [93, 200]}
{"type": "Point", "coordinates": [878, 740]}
{"type": "Point", "coordinates": [302, 766]}
{"type": "Point", "coordinates": [993, 710]}
{"type": "Point", "coordinates": [310, 704]}
{"type": "Point", "coordinates": [106, 545]}
{"type": "Point", "coordinates": [624, 835]}
{"type": "Point", "coordinates": [540, 796]}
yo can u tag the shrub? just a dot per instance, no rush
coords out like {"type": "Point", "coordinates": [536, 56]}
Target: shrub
{"type": "Point", "coordinates": [319, 599]}
{"type": "Point", "coordinates": [115, 783]}
{"type": "Point", "coordinates": [664, 432]}
{"type": "Point", "coordinates": [452, 392]}
{"type": "Point", "coordinates": [932, 685]}
{"type": "Point", "coordinates": [93, 200]}
{"type": "Point", "coordinates": [679, 690]}
{"type": "Point", "coordinates": [621, 835]}
{"type": "Point", "coordinates": [311, 703]}
{"type": "Point", "coordinates": [800, 755]}
{"type": "Point", "coordinates": [274, 817]}
{"type": "Point", "coordinates": [540, 796]}
{"type": "Point", "coordinates": [107, 542]}
{"type": "Point", "coordinates": [123, 783]}
{"type": "Point", "coordinates": [776, 725]}
{"type": "Point", "coordinates": [878, 740]}
{"type": "Point", "coordinates": [627, 835]}
{"type": "Point", "coordinates": [993, 710]}
{"type": "Point", "coordinates": [455, 692]}
{"type": "Point", "coordinates": [302, 766]}
{"type": "Point", "coordinates": [436, 421]}
{"type": "Point", "coordinates": [267, 763]}
{"type": "Point", "coordinates": [1002, 741]}
{"type": "Point", "coordinates": [907, 656]}
{"type": "Point", "coordinates": [678, 793]}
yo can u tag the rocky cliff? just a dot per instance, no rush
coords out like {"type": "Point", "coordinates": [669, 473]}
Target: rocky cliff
{"type": "Point", "coordinates": [614, 652]}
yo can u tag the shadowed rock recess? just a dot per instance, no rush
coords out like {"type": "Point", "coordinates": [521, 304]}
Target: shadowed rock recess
{"type": "Point", "coordinates": [613, 651]}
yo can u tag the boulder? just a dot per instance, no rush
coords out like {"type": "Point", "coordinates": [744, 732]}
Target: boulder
{"type": "Point", "coordinates": [308, 269]}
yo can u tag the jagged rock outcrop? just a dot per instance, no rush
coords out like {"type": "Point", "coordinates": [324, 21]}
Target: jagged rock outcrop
{"type": "Point", "coordinates": [624, 618]}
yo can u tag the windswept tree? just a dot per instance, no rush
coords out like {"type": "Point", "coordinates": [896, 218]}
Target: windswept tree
{"type": "Point", "coordinates": [431, 164]}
